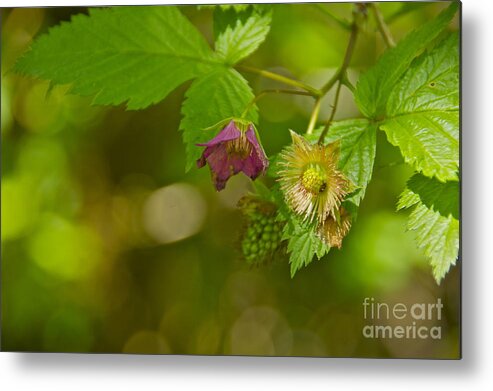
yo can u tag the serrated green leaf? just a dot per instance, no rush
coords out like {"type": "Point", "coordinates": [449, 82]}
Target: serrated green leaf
{"type": "Point", "coordinates": [241, 37]}
{"type": "Point", "coordinates": [227, 15]}
{"type": "Point", "coordinates": [374, 87]}
{"type": "Point", "coordinates": [434, 220]}
{"type": "Point", "coordinates": [302, 250]}
{"type": "Point", "coordinates": [438, 236]}
{"type": "Point", "coordinates": [438, 196]}
{"type": "Point", "coordinates": [303, 244]}
{"type": "Point", "coordinates": [210, 99]}
{"type": "Point", "coordinates": [423, 112]}
{"type": "Point", "coordinates": [431, 83]}
{"type": "Point", "coordinates": [136, 55]}
{"type": "Point", "coordinates": [428, 141]}
{"type": "Point", "coordinates": [358, 148]}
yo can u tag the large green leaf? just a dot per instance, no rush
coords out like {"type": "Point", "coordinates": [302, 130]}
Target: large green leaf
{"type": "Point", "coordinates": [428, 141]}
{"type": "Point", "coordinates": [438, 196]}
{"type": "Point", "coordinates": [211, 99]}
{"type": "Point", "coordinates": [375, 86]}
{"type": "Point", "coordinates": [358, 147]}
{"type": "Point", "coordinates": [136, 55]}
{"type": "Point", "coordinates": [240, 34]}
{"type": "Point", "coordinates": [423, 112]}
{"type": "Point", "coordinates": [434, 219]}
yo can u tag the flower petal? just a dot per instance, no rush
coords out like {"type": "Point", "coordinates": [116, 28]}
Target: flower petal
{"type": "Point", "coordinates": [220, 165]}
{"type": "Point", "coordinates": [260, 158]}
{"type": "Point", "coordinates": [229, 132]}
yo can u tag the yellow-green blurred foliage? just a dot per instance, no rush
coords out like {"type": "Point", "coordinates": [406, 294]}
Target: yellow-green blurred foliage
{"type": "Point", "coordinates": [108, 246]}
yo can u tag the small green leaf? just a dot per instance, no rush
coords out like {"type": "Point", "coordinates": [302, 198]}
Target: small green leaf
{"type": "Point", "coordinates": [438, 236]}
{"type": "Point", "coordinates": [358, 147]}
{"type": "Point", "coordinates": [374, 87]}
{"type": "Point", "coordinates": [303, 244]}
{"type": "Point", "coordinates": [241, 38]}
{"type": "Point", "coordinates": [227, 15]}
{"type": "Point", "coordinates": [434, 219]}
{"type": "Point", "coordinates": [210, 99]}
{"type": "Point", "coordinates": [136, 55]}
{"type": "Point", "coordinates": [423, 112]}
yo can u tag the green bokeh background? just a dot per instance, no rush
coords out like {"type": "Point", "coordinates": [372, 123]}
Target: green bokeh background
{"type": "Point", "coordinates": [109, 246]}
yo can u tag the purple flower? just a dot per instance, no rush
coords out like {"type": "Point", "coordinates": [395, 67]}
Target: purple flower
{"type": "Point", "coordinates": [231, 151]}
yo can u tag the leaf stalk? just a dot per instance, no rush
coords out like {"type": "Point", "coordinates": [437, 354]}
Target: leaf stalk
{"type": "Point", "coordinates": [283, 79]}
{"type": "Point", "coordinates": [340, 77]}
{"type": "Point", "coordinates": [382, 26]}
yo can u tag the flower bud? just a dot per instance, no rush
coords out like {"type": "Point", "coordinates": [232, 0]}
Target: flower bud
{"type": "Point", "coordinates": [236, 148]}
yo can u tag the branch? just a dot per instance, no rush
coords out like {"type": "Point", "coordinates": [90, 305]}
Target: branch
{"type": "Point", "coordinates": [341, 72]}
{"type": "Point", "coordinates": [382, 26]}
{"type": "Point", "coordinates": [332, 114]}
{"type": "Point", "coordinates": [283, 79]}
{"type": "Point", "coordinates": [340, 78]}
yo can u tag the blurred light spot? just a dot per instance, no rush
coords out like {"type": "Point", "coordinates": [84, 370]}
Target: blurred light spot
{"type": "Point", "coordinates": [18, 31]}
{"type": "Point", "coordinates": [244, 289]}
{"type": "Point", "coordinates": [68, 330]}
{"type": "Point", "coordinates": [259, 331]}
{"type": "Point", "coordinates": [208, 338]}
{"type": "Point", "coordinates": [250, 338]}
{"type": "Point", "coordinates": [39, 110]}
{"type": "Point", "coordinates": [41, 157]}
{"type": "Point", "coordinates": [64, 249]}
{"type": "Point", "coordinates": [42, 109]}
{"type": "Point", "coordinates": [126, 210]}
{"type": "Point", "coordinates": [307, 343]}
{"type": "Point", "coordinates": [179, 322]}
{"type": "Point", "coordinates": [146, 342]}
{"type": "Point", "coordinates": [19, 207]}
{"type": "Point", "coordinates": [43, 163]}
{"type": "Point", "coordinates": [174, 213]}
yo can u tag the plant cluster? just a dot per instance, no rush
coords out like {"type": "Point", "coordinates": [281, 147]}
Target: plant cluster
{"type": "Point", "coordinates": [138, 55]}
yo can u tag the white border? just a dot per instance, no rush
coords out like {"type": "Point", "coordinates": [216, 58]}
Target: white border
{"type": "Point", "coordinates": [474, 372]}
